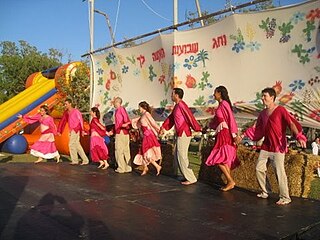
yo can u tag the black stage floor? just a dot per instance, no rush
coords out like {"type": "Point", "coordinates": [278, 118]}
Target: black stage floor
{"type": "Point", "coordinates": [60, 201]}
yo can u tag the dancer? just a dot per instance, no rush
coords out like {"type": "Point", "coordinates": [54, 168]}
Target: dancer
{"type": "Point", "coordinates": [45, 147]}
{"type": "Point", "coordinates": [271, 124]}
{"type": "Point", "coordinates": [98, 149]}
{"type": "Point", "coordinates": [75, 121]}
{"type": "Point", "coordinates": [224, 152]}
{"type": "Point", "coordinates": [150, 150]}
{"type": "Point", "coordinates": [183, 120]}
{"type": "Point", "coordinates": [122, 140]}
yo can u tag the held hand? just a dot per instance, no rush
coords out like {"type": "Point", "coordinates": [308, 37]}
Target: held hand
{"type": "Point", "coordinates": [161, 131]}
{"type": "Point", "coordinates": [59, 134]}
{"type": "Point", "coordinates": [19, 116]}
{"type": "Point", "coordinates": [237, 140]}
{"type": "Point", "coordinates": [302, 143]}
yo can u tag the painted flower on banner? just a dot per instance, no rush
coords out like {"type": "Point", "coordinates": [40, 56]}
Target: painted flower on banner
{"type": "Point", "coordinates": [277, 87]}
{"type": "Point", "coordinates": [269, 27]}
{"type": "Point", "coordinates": [211, 100]}
{"type": "Point", "coordinates": [100, 81]}
{"type": "Point", "coordinates": [152, 74]}
{"type": "Point", "coordinates": [238, 46]}
{"type": "Point", "coordinates": [125, 69]}
{"type": "Point", "coordinates": [199, 101]}
{"type": "Point", "coordinates": [162, 79]}
{"type": "Point", "coordinates": [99, 71]}
{"type": "Point", "coordinates": [313, 14]}
{"type": "Point", "coordinates": [190, 62]}
{"type": "Point", "coordinates": [285, 30]}
{"type": "Point", "coordinates": [254, 46]}
{"type": "Point", "coordinates": [296, 84]}
{"type": "Point", "coordinates": [136, 72]}
{"type": "Point", "coordinates": [191, 81]}
{"type": "Point", "coordinates": [297, 17]}
{"type": "Point", "coordinates": [175, 66]}
{"type": "Point", "coordinates": [286, 98]}
{"type": "Point", "coordinates": [309, 29]}
{"type": "Point", "coordinates": [204, 83]}
{"type": "Point", "coordinates": [315, 114]}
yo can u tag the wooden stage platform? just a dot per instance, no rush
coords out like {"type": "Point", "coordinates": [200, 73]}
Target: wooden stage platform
{"type": "Point", "coordinates": [60, 201]}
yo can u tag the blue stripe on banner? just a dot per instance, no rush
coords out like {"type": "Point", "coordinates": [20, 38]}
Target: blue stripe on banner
{"type": "Point", "coordinates": [28, 108]}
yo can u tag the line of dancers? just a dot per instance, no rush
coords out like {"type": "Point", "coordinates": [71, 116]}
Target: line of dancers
{"type": "Point", "coordinates": [271, 125]}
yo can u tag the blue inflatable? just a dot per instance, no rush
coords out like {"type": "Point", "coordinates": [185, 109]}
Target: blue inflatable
{"type": "Point", "coordinates": [16, 144]}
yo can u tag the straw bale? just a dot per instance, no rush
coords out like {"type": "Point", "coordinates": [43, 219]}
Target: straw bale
{"type": "Point", "coordinates": [298, 165]}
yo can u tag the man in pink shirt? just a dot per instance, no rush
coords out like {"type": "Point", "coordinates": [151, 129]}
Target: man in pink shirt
{"type": "Point", "coordinates": [122, 140]}
{"type": "Point", "coordinates": [183, 120]}
{"type": "Point", "coordinates": [272, 124]}
{"type": "Point", "coordinates": [75, 122]}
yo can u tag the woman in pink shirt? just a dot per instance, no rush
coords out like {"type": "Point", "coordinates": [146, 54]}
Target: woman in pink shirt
{"type": "Point", "coordinates": [150, 150]}
{"type": "Point", "coordinates": [98, 149]}
{"type": "Point", "coordinates": [45, 147]}
{"type": "Point", "coordinates": [224, 152]}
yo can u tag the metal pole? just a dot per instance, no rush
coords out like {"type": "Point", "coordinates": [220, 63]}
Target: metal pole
{"type": "Point", "coordinates": [175, 13]}
{"type": "Point", "coordinates": [199, 12]}
{"type": "Point", "coordinates": [113, 41]}
{"type": "Point", "coordinates": [91, 24]}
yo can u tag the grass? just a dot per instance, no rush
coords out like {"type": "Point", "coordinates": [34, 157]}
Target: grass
{"type": "Point", "coordinates": [315, 189]}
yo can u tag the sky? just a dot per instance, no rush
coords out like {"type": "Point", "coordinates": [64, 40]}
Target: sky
{"type": "Point", "coordinates": [64, 24]}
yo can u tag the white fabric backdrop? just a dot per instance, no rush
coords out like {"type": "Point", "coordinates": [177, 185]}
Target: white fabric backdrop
{"type": "Point", "coordinates": [277, 48]}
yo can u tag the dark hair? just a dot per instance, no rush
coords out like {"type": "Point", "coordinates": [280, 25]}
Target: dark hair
{"type": "Point", "coordinates": [224, 94]}
{"type": "Point", "coordinates": [69, 100]}
{"type": "Point", "coordinates": [271, 92]}
{"type": "Point", "coordinates": [96, 111]}
{"type": "Point", "coordinates": [179, 92]}
{"type": "Point", "coordinates": [45, 108]}
{"type": "Point", "coordinates": [145, 106]}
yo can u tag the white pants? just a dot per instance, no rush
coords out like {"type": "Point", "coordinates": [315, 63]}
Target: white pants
{"type": "Point", "coordinates": [181, 156]}
{"type": "Point", "coordinates": [277, 161]}
{"type": "Point", "coordinates": [122, 152]}
{"type": "Point", "coordinates": [75, 148]}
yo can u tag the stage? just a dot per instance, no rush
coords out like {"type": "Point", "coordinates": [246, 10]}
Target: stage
{"type": "Point", "coordinates": [60, 201]}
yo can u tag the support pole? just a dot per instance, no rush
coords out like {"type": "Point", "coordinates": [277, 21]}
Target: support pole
{"type": "Point", "coordinates": [199, 12]}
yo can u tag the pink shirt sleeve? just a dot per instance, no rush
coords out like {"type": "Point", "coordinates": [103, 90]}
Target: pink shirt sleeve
{"type": "Point", "coordinates": [228, 117]}
{"type": "Point", "coordinates": [189, 118]}
{"type": "Point", "coordinates": [257, 131]}
{"type": "Point", "coordinates": [32, 119]}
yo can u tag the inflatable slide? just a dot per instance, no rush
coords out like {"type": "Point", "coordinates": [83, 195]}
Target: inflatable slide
{"type": "Point", "coordinates": [41, 89]}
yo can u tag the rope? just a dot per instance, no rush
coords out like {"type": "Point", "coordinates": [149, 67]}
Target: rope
{"type": "Point", "coordinates": [159, 15]}
{"type": "Point", "coordinates": [116, 22]}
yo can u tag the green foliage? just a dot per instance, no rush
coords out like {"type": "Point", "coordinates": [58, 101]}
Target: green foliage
{"type": "Point", "coordinates": [18, 61]}
{"type": "Point", "coordinates": [189, 16]}
{"type": "Point", "coordinates": [78, 89]}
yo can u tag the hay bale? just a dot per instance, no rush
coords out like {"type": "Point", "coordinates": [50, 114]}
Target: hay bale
{"type": "Point", "coordinates": [299, 169]}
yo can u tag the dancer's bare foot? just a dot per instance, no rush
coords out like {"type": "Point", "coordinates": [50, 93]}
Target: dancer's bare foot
{"type": "Point", "coordinates": [228, 187]}
{"type": "Point", "coordinates": [158, 170]}
{"type": "Point", "coordinates": [106, 165]}
{"type": "Point", "coordinates": [39, 160]}
{"type": "Point", "coordinates": [101, 164]}
{"type": "Point", "coordinates": [186, 183]}
{"type": "Point", "coordinates": [145, 171]}
{"type": "Point", "coordinates": [58, 159]}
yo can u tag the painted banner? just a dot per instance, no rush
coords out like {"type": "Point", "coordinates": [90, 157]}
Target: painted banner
{"type": "Point", "coordinates": [277, 48]}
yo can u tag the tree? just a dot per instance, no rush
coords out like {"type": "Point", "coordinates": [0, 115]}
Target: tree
{"type": "Point", "coordinates": [17, 62]}
{"type": "Point", "coordinates": [77, 88]}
